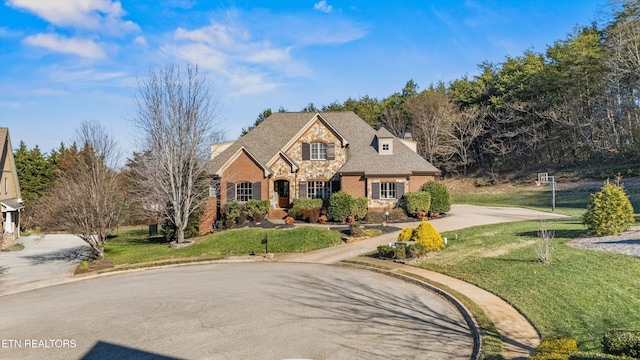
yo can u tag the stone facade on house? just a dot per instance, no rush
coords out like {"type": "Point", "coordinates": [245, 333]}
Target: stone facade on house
{"type": "Point", "coordinates": [317, 169]}
{"type": "Point", "coordinates": [277, 151]}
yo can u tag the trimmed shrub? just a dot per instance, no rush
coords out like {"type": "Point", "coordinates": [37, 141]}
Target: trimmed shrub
{"type": "Point", "coordinates": [622, 342]}
{"type": "Point", "coordinates": [322, 219]}
{"type": "Point", "coordinates": [385, 252]}
{"type": "Point", "coordinates": [595, 356]}
{"type": "Point", "coordinates": [242, 218]}
{"type": "Point", "coordinates": [405, 234]}
{"type": "Point", "coordinates": [555, 349]}
{"type": "Point", "coordinates": [397, 214]}
{"type": "Point", "coordinates": [609, 212]}
{"type": "Point", "coordinates": [356, 230]}
{"type": "Point", "coordinates": [375, 217]}
{"type": "Point", "coordinates": [440, 198]}
{"type": "Point", "coordinates": [289, 220]}
{"type": "Point", "coordinates": [358, 207]}
{"type": "Point", "coordinates": [231, 210]}
{"type": "Point", "coordinates": [339, 206]}
{"type": "Point", "coordinates": [310, 215]}
{"type": "Point", "coordinates": [416, 250]}
{"type": "Point", "coordinates": [299, 204]}
{"type": "Point", "coordinates": [400, 252]}
{"type": "Point", "coordinates": [392, 252]}
{"type": "Point", "coordinates": [427, 235]}
{"type": "Point", "coordinates": [256, 209]}
{"type": "Point", "coordinates": [416, 201]}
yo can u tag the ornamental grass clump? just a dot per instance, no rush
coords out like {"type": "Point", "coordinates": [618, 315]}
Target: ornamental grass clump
{"type": "Point", "coordinates": [427, 235]}
{"type": "Point", "coordinates": [609, 212]}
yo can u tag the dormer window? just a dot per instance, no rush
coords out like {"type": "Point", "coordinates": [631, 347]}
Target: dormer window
{"type": "Point", "coordinates": [318, 151]}
{"type": "Point", "coordinates": [386, 146]}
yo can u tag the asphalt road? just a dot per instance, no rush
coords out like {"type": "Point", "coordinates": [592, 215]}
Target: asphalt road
{"type": "Point", "coordinates": [234, 311]}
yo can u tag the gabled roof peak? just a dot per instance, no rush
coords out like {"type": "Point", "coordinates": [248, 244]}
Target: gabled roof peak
{"type": "Point", "coordinates": [383, 133]}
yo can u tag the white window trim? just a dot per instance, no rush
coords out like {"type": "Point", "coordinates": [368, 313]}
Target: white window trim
{"type": "Point", "coordinates": [326, 185]}
{"type": "Point", "coordinates": [318, 147]}
{"type": "Point", "coordinates": [388, 190]}
{"type": "Point", "coordinates": [248, 191]}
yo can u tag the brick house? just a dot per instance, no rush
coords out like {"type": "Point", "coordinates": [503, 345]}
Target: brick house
{"type": "Point", "coordinates": [302, 154]}
{"type": "Point", "coordinates": [10, 200]}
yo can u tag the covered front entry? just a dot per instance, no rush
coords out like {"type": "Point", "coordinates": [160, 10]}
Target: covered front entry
{"type": "Point", "coordinates": [282, 192]}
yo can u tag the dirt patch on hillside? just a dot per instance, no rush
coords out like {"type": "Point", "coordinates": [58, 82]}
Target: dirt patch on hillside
{"type": "Point", "coordinates": [563, 183]}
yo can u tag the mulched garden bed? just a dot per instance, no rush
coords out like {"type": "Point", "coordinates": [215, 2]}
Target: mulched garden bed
{"type": "Point", "coordinates": [94, 265]}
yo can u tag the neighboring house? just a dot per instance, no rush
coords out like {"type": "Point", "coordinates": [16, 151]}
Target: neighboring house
{"type": "Point", "coordinates": [10, 200]}
{"type": "Point", "coordinates": [303, 154]}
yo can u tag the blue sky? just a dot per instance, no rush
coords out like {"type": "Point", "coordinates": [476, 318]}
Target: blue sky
{"type": "Point", "coordinates": [66, 61]}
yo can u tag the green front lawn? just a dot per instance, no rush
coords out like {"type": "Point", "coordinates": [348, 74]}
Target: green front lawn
{"type": "Point", "coordinates": [133, 246]}
{"type": "Point", "coordinates": [568, 202]}
{"type": "Point", "coordinates": [579, 293]}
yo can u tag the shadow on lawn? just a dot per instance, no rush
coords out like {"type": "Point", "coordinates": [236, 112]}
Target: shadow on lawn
{"type": "Point", "coordinates": [559, 234]}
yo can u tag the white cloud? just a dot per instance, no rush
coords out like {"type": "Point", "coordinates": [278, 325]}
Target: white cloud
{"type": "Point", "coordinates": [98, 15]}
{"type": "Point", "coordinates": [323, 6]}
{"type": "Point", "coordinates": [256, 51]}
{"type": "Point", "coordinates": [140, 40]}
{"type": "Point", "coordinates": [71, 75]}
{"type": "Point", "coordinates": [84, 48]}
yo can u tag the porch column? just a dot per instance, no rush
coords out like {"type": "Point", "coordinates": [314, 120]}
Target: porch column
{"type": "Point", "coordinates": [8, 227]}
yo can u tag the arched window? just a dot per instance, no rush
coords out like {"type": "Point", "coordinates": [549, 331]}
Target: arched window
{"type": "Point", "coordinates": [244, 191]}
{"type": "Point", "coordinates": [318, 151]}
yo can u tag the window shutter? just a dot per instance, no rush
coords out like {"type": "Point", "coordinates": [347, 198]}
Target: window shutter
{"type": "Point", "coordinates": [331, 151]}
{"type": "Point", "coordinates": [231, 191]}
{"type": "Point", "coordinates": [375, 190]}
{"type": "Point", "coordinates": [302, 189]}
{"type": "Point", "coordinates": [335, 186]}
{"type": "Point", "coordinates": [257, 191]}
{"type": "Point", "coordinates": [306, 151]}
{"type": "Point", "coordinates": [399, 190]}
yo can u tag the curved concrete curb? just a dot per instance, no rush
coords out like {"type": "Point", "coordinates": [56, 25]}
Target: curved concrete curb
{"type": "Point", "coordinates": [471, 322]}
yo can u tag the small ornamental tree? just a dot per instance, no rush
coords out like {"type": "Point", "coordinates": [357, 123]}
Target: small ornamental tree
{"type": "Point", "coordinates": [609, 212]}
{"type": "Point", "coordinates": [440, 198]}
{"type": "Point", "coordinates": [427, 235]}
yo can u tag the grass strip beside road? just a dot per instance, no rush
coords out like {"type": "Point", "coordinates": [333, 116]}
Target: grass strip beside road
{"type": "Point", "coordinates": [579, 294]}
{"type": "Point", "coordinates": [133, 246]}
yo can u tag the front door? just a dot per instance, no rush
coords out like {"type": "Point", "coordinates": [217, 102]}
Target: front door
{"type": "Point", "coordinates": [282, 190]}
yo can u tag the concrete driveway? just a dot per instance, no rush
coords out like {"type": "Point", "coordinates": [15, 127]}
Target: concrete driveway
{"type": "Point", "coordinates": [234, 311]}
{"type": "Point", "coordinates": [461, 216]}
{"type": "Point", "coordinates": [45, 260]}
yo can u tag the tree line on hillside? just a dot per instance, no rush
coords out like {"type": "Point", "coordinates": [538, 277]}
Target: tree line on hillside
{"type": "Point", "coordinates": [576, 103]}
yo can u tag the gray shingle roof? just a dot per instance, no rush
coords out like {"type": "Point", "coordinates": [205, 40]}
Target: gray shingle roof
{"type": "Point", "coordinates": [270, 137]}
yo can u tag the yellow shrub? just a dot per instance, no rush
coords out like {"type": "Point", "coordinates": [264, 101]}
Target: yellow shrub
{"type": "Point", "coordinates": [405, 235]}
{"type": "Point", "coordinates": [555, 349]}
{"type": "Point", "coordinates": [427, 235]}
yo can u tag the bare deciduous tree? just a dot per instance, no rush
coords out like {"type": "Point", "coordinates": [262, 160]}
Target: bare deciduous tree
{"type": "Point", "coordinates": [431, 117]}
{"type": "Point", "coordinates": [86, 199]}
{"type": "Point", "coordinates": [176, 116]}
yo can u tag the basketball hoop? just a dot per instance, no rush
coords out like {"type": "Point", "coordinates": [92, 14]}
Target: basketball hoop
{"type": "Point", "coordinates": [543, 178]}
